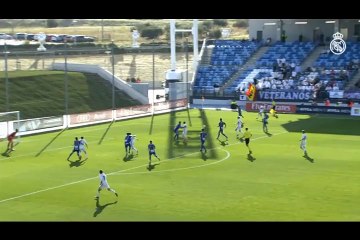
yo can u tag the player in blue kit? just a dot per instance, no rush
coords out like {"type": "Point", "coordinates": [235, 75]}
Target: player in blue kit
{"type": "Point", "coordinates": [76, 148]}
{"type": "Point", "coordinates": [203, 135]}
{"type": "Point", "coordinates": [151, 148]}
{"type": "Point", "coordinates": [176, 131]}
{"type": "Point", "coordinates": [265, 122]}
{"type": "Point", "coordinates": [222, 125]}
{"type": "Point", "coordinates": [127, 143]}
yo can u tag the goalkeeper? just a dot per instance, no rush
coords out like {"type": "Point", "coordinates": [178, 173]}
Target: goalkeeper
{"type": "Point", "coordinates": [10, 138]}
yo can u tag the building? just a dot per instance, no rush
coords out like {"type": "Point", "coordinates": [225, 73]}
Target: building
{"type": "Point", "coordinates": [317, 30]}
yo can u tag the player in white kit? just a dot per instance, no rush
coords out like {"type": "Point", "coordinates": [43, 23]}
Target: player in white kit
{"type": "Point", "coordinates": [184, 132]}
{"type": "Point", "coordinates": [82, 145]}
{"type": "Point", "coordinates": [303, 142]}
{"type": "Point", "coordinates": [104, 184]}
{"type": "Point", "coordinates": [261, 110]}
{"type": "Point", "coordinates": [132, 143]}
{"type": "Point", "coordinates": [239, 125]}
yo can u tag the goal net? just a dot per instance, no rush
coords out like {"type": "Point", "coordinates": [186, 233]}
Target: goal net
{"type": "Point", "coordinates": [8, 121]}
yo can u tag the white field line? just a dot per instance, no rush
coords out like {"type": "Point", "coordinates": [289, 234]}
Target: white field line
{"type": "Point", "coordinates": [55, 149]}
{"type": "Point", "coordinates": [120, 171]}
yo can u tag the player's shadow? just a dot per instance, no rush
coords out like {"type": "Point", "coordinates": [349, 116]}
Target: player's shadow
{"type": "Point", "coordinates": [128, 157]}
{"type": "Point", "coordinates": [268, 134]}
{"type": "Point", "coordinates": [76, 163]}
{"type": "Point", "coordinates": [100, 208]}
{"type": "Point", "coordinates": [203, 156]}
{"type": "Point", "coordinates": [250, 157]}
{"type": "Point", "coordinates": [307, 157]}
{"type": "Point", "coordinates": [152, 166]}
{"type": "Point", "coordinates": [223, 143]}
{"type": "Point", "coordinates": [6, 154]}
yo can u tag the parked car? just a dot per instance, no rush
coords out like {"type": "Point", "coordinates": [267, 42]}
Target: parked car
{"type": "Point", "coordinates": [5, 36]}
{"type": "Point", "coordinates": [30, 37]}
{"type": "Point", "coordinates": [21, 36]}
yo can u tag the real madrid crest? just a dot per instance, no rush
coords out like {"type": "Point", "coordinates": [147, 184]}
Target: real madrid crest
{"type": "Point", "coordinates": [337, 45]}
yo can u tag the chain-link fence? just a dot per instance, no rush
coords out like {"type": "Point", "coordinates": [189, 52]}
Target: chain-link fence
{"type": "Point", "coordinates": [78, 93]}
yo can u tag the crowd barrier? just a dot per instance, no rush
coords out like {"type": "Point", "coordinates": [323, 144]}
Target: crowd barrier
{"type": "Point", "coordinates": [47, 124]}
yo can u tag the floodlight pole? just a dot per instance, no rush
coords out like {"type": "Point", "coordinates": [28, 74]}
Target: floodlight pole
{"type": "Point", "coordinates": [6, 80]}
{"type": "Point", "coordinates": [102, 30]}
{"type": "Point", "coordinates": [66, 81]}
{"type": "Point", "coordinates": [153, 74]}
{"type": "Point", "coordinates": [187, 72]}
{"type": "Point", "coordinates": [113, 75]}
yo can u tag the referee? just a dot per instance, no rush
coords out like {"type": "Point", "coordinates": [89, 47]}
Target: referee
{"type": "Point", "coordinates": [247, 136]}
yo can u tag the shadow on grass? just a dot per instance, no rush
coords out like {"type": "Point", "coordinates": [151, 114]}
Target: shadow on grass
{"type": "Point", "coordinates": [250, 157]}
{"type": "Point", "coordinates": [268, 134]}
{"type": "Point", "coordinates": [6, 153]}
{"type": "Point", "coordinates": [76, 163]}
{"type": "Point", "coordinates": [151, 167]}
{"type": "Point", "coordinates": [177, 147]}
{"type": "Point", "coordinates": [104, 135]}
{"type": "Point", "coordinates": [99, 208]}
{"type": "Point", "coordinates": [323, 123]}
{"type": "Point", "coordinates": [307, 157]}
{"type": "Point", "coordinates": [223, 143]}
{"type": "Point", "coordinates": [203, 156]}
{"type": "Point", "coordinates": [151, 124]}
{"type": "Point", "coordinates": [189, 117]}
{"type": "Point", "coordinates": [128, 157]}
{"type": "Point", "coordinates": [52, 140]}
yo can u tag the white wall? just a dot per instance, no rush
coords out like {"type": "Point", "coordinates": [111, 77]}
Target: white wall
{"type": "Point", "coordinates": [92, 68]}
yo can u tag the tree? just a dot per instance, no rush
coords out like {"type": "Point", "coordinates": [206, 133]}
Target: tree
{"type": "Point", "coordinates": [51, 23]}
{"type": "Point", "coordinates": [220, 22]}
{"type": "Point", "coordinates": [151, 32]}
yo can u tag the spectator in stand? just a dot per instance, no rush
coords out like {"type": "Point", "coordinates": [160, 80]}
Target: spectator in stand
{"type": "Point", "coordinates": [327, 102]}
{"type": "Point", "coordinates": [350, 103]}
{"type": "Point", "coordinates": [268, 41]}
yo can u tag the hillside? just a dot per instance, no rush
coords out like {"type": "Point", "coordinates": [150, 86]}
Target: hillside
{"type": "Point", "coordinates": [120, 30]}
{"type": "Point", "coordinates": [41, 93]}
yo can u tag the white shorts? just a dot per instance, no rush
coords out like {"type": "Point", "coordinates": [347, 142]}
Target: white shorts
{"type": "Point", "coordinates": [104, 185]}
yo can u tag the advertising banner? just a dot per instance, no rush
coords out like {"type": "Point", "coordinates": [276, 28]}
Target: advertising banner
{"type": "Point", "coordinates": [355, 111]}
{"type": "Point", "coordinates": [169, 105]}
{"type": "Point", "coordinates": [131, 111]}
{"type": "Point", "coordinates": [281, 108]}
{"type": "Point", "coordinates": [323, 109]}
{"type": "Point", "coordinates": [352, 94]}
{"type": "Point", "coordinates": [90, 117]}
{"type": "Point", "coordinates": [284, 95]}
{"type": "Point", "coordinates": [38, 123]}
{"type": "Point", "coordinates": [336, 94]}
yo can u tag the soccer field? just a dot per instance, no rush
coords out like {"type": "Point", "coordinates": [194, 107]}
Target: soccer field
{"type": "Point", "coordinates": [275, 183]}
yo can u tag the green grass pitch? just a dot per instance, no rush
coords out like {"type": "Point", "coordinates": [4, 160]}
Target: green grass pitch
{"type": "Point", "coordinates": [275, 183]}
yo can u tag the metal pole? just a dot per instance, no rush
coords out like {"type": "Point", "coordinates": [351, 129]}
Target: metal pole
{"type": "Point", "coordinates": [195, 32]}
{"type": "Point", "coordinates": [153, 75]}
{"type": "Point", "coordinates": [66, 81]}
{"type": "Point", "coordinates": [6, 80]}
{"type": "Point", "coordinates": [172, 44]}
{"type": "Point", "coordinates": [102, 30]}
{"type": "Point", "coordinates": [113, 74]}
{"type": "Point", "coordinates": [187, 72]}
